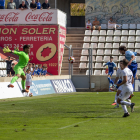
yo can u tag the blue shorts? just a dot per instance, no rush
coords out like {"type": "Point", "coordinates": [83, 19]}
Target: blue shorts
{"type": "Point", "coordinates": [133, 68]}
{"type": "Point", "coordinates": [110, 73]}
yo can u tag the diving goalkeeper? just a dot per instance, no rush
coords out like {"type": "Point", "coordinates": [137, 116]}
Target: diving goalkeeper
{"type": "Point", "coordinates": [23, 61]}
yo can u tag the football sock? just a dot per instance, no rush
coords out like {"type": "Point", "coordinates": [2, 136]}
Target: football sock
{"type": "Point", "coordinates": [117, 104]}
{"type": "Point", "coordinates": [125, 103]}
{"type": "Point", "coordinates": [111, 82]}
{"type": "Point", "coordinates": [14, 79]}
{"type": "Point", "coordinates": [23, 84]}
{"type": "Point", "coordinates": [124, 108]}
{"type": "Point", "coordinates": [116, 97]}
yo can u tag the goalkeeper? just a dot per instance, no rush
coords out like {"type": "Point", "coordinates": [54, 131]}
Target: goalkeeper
{"type": "Point", "coordinates": [23, 61]}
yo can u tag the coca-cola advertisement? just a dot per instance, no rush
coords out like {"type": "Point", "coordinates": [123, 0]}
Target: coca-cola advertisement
{"type": "Point", "coordinates": [38, 16]}
{"type": "Point", "coordinates": [43, 40]}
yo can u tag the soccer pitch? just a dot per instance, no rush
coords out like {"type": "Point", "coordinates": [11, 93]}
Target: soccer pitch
{"type": "Point", "coordinates": [76, 116]}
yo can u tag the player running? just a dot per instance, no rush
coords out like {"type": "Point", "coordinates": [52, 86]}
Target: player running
{"type": "Point", "coordinates": [23, 61]}
{"type": "Point", "coordinates": [111, 66]}
{"type": "Point", "coordinates": [127, 88]}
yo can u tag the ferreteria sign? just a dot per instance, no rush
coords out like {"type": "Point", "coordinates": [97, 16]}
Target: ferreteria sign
{"type": "Point", "coordinates": [52, 16]}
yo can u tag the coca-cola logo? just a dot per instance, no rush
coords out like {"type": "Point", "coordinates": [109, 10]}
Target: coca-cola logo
{"type": "Point", "coordinates": [45, 16]}
{"type": "Point", "coordinates": [10, 17]}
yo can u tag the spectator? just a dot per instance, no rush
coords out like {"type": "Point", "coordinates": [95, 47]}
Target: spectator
{"type": "Point", "coordinates": [38, 4]}
{"type": "Point", "coordinates": [22, 6]}
{"type": "Point", "coordinates": [33, 5]}
{"type": "Point", "coordinates": [88, 25]}
{"type": "Point", "coordinates": [27, 4]}
{"type": "Point", "coordinates": [96, 24]}
{"type": "Point", "coordinates": [46, 5]}
{"type": "Point", "coordinates": [35, 70]}
{"type": "Point", "coordinates": [12, 72]}
{"type": "Point", "coordinates": [11, 5]}
{"type": "Point", "coordinates": [28, 79]}
{"type": "Point", "coordinates": [9, 62]}
{"type": "Point", "coordinates": [44, 71]}
{"type": "Point", "coordinates": [30, 67]}
{"type": "Point", "coordinates": [112, 24]}
{"type": "Point", "coordinates": [39, 70]}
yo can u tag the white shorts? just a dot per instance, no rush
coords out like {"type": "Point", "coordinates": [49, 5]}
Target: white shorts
{"type": "Point", "coordinates": [125, 93]}
{"type": "Point", "coordinates": [120, 88]}
{"type": "Point", "coordinates": [111, 26]}
{"type": "Point", "coordinates": [28, 83]}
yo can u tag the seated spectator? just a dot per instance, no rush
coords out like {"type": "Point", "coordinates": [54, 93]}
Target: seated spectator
{"type": "Point", "coordinates": [33, 5]}
{"type": "Point", "coordinates": [9, 62]}
{"type": "Point", "coordinates": [27, 4]}
{"type": "Point", "coordinates": [39, 70]}
{"type": "Point", "coordinates": [44, 71]}
{"type": "Point", "coordinates": [38, 4]}
{"type": "Point", "coordinates": [88, 25]}
{"type": "Point", "coordinates": [96, 24]}
{"type": "Point", "coordinates": [12, 72]}
{"type": "Point", "coordinates": [112, 24]}
{"type": "Point", "coordinates": [46, 5]}
{"type": "Point", "coordinates": [11, 5]}
{"type": "Point", "coordinates": [22, 6]}
{"type": "Point", "coordinates": [35, 70]}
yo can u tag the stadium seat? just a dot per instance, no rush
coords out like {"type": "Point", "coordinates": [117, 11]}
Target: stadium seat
{"type": "Point", "coordinates": [100, 52]}
{"type": "Point", "coordinates": [108, 45]}
{"type": "Point", "coordinates": [132, 26]}
{"type": "Point", "coordinates": [102, 32]}
{"type": "Point", "coordinates": [5, 65]}
{"type": "Point", "coordinates": [131, 32]}
{"type": "Point", "coordinates": [87, 72]}
{"type": "Point", "coordinates": [0, 58]}
{"type": "Point", "coordinates": [125, 26]}
{"type": "Point", "coordinates": [116, 45]}
{"type": "Point", "coordinates": [138, 26]}
{"type": "Point", "coordinates": [107, 52]}
{"type": "Point", "coordinates": [137, 45]}
{"type": "Point", "coordinates": [123, 44]}
{"type": "Point", "coordinates": [103, 72]}
{"type": "Point", "coordinates": [114, 72]}
{"type": "Point", "coordinates": [121, 57]}
{"type": "Point", "coordinates": [94, 39]}
{"type": "Point", "coordinates": [86, 39]}
{"type": "Point", "coordinates": [101, 38]}
{"type": "Point", "coordinates": [93, 45]}
{"type": "Point", "coordinates": [84, 52]}
{"type": "Point", "coordinates": [82, 65]}
{"type": "Point", "coordinates": [117, 32]}
{"type": "Point", "coordinates": [137, 50]}
{"type": "Point", "coordinates": [118, 65]}
{"type": "Point", "coordinates": [1, 73]}
{"type": "Point", "coordinates": [87, 32]}
{"type": "Point", "coordinates": [115, 52]}
{"type": "Point", "coordinates": [115, 58]}
{"type": "Point", "coordinates": [116, 39]}
{"type": "Point", "coordinates": [103, 26]}
{"type": "Point", "coordinates": [93, 58]}
{"type": "Point", "coordinates": [124, 39]}
{"type": "Point", "coordinates": [95, 32]}
{"type": "Point", "coordinates": [138, 39]}
{"type": "Point", "coordinates": [131, 39]}
{"type": "Point", "coordinates": [106, 58]}
{"type": "Point", "coordinates": [138, 58]}
{"type": "Point", "coordinates": [125, 32]}
{"type": "Point", "coordinates": [83, 58]}
{"type": "Point", "coordinates": [99, 58]}
{"type": "Point", "coordinates": [4, 73]}
{"type": "Point", "coordinates": [97, 72]}
{"type": "Point", "coordinates": [93, 52]}
{"type": "Point", "coordinates": [98, 65]}
{"type": "Point", "coordinates": [109, 39]}
{"type": "Point", "coordinates": [131, 45]}
{"type": "Point", "coordinates": [138, 72]}
{"type": "Point", "coordinates": [101, 45]}
{"type": "Point", "coordinates": [138, 32]}
{"type": "Point", "coordinates": [92, 65]}
{"type": "Point", "coordinates": [86, 45]}
{"type": "Point", "coordinates": [132, 50]}
{"type": "Point", "coordinates": [0, 64]}
{"type": "Point", "coordinates": [110, 32]}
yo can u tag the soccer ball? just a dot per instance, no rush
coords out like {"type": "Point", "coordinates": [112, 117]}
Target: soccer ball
{"type": "Point", "coordinates": [30, 94]}
{"type": "Point", "coordinates": [71, 59]}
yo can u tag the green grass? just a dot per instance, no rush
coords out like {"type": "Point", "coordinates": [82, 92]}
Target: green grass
{"type": "Point", "coordinates": [79, 116]}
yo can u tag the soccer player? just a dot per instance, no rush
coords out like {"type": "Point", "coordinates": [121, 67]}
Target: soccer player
{"type": "Point", "coordinates": [111, 66]}
{"type": "Point", "coordinates": [28, 79]}
{"type": "Point", "coordinates": [130, 56]}
{"type": "Point", "coordinates": [23, 61]}
{"type": "Point", "coordinates": [127, 89]}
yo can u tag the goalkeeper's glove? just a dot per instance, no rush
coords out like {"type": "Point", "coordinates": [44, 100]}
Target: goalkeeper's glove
{"type": "Point", "coordinates": [17, 49]}
{"type": "Point", "coordinates": [6, 50]}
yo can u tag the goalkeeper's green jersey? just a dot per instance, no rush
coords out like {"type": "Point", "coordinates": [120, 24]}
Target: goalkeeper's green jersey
{"type": "Point", "coordinates": [23, 59]}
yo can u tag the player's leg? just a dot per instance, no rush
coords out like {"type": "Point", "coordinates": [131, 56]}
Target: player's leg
{"type": "Point", "coordinates": [117, 94]}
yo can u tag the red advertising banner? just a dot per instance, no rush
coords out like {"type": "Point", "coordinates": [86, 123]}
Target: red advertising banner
{"type": "Point", "coordinates": [62, 38]}
{"type": "Point", "coordinates": [43, 40]}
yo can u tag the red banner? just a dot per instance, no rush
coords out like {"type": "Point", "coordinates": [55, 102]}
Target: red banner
{"type": "Point", "coordinates": [43, 40]}
{"type": "Point", "coordinates": [62, 38]}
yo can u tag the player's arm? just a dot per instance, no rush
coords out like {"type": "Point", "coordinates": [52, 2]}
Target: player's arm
{"type": "Point", "coordinates": [105, 64]}
{"type": "Point", "coordinates": [123, 82]}
{"type": "Point", "coordinates": [13, 58]}
{"type": "Point", "coordinates": [116, 80]}
{"type": "Point", "coordinates": [132, 80]}
{"type": "Point", "coordinates": [132, 58]}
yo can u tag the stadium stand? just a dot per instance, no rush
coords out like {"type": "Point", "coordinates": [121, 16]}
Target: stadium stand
{"type": "Point", "coordinates": [104, 44]}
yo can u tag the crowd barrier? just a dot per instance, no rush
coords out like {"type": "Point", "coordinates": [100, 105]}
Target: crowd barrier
{"type": "Point", "coordinates": [39, 87]}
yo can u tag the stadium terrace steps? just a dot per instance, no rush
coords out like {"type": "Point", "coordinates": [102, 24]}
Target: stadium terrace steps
{"type": "Point", "coordinates": [75, 30]}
